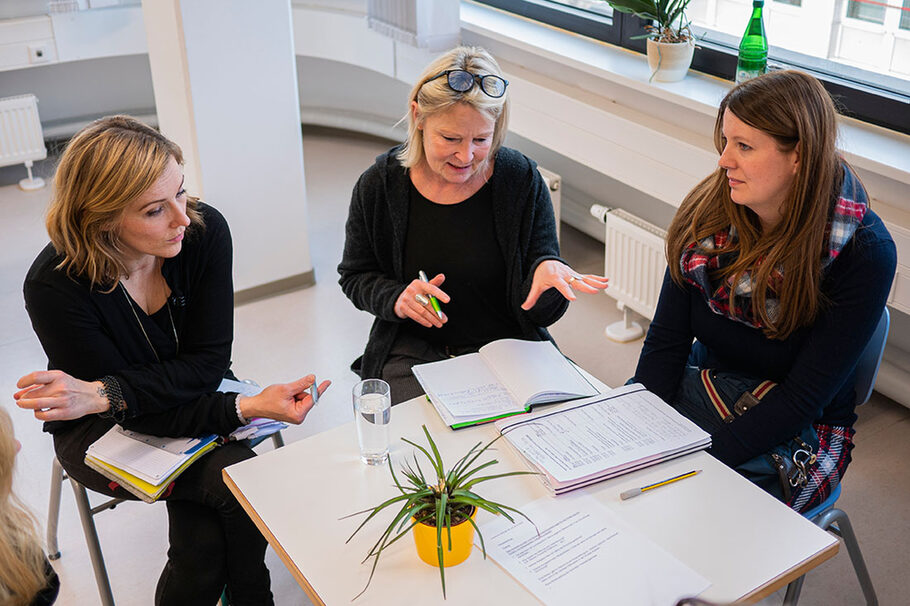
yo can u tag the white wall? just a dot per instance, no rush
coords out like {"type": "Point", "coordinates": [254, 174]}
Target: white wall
{"type": "Point", "coordinates": [582, 108]}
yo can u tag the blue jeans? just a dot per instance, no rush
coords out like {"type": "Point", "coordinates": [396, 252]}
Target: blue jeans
{"type": "Point", "coordinates": [213, 542]}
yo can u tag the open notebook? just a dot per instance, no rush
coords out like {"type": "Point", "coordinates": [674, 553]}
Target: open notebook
{"type": "Point", "coordinates": [506, 377]}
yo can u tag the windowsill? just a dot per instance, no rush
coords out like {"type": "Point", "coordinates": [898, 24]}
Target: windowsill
{"type": "Point", "coordinates": [867, 146]}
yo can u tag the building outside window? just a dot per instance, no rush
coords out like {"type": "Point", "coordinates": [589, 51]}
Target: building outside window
{"type": "Point", "coordinates": [860, 49]}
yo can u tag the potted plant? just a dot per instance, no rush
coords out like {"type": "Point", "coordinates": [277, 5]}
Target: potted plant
{"type": "Point", "coordinates": [439, 510]}
{"type": "Point", "coordinates": [670, 42]}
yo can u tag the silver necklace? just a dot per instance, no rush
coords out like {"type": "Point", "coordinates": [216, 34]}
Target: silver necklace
{"type": "Point", "coordinates": [142, 328]}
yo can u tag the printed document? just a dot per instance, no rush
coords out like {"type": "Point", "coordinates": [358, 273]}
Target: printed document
{"type": "Point", "coordinates": [585, 550]}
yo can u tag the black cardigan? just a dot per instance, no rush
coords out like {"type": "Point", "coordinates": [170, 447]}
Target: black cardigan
{"type": "Point", "coordinates": [371, 268]}
{"type": "Point", "coordinates": [88, 334]}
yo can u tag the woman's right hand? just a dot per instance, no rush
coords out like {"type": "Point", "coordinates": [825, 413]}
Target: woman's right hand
{"type": "Point", "coordinates": [288, 402]}
{"type": "Point", "coordinates": [54, 395]}
{"type": "Point", "coordinates": [407, 305]}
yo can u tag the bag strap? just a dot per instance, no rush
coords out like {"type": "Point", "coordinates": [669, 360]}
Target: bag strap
{"type": "Point", "coordinates": [746, 401]}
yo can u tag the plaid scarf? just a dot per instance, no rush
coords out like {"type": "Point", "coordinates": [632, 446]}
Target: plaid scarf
{"type": "Point", "coordinates": [832, 458]}
{"type": "Point", "coordinates": [698, 263]}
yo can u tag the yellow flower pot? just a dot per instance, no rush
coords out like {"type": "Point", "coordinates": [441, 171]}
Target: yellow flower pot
{"type": "Point", "coordinates": [462, 543]}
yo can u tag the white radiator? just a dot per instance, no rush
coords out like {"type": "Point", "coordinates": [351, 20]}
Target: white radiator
{"type": "Point", "coordinates": [634, 262]}
{"type": "Point", "coordinates": [21, 140]}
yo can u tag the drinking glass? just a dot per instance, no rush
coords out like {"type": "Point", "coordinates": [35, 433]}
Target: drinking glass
{"type": "Point", "coordinates": [372, 413]}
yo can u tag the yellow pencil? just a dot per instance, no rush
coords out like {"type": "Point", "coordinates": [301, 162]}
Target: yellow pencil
{"type": "Point", "coordinates": [637, 491]}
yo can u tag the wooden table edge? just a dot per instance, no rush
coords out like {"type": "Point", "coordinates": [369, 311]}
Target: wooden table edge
{"type": "Point", "coordinates": [272, 540]}
{"type": "Point", "coordinates": [791, 575]}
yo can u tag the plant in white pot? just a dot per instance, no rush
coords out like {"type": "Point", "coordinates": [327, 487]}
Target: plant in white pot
{"type": "Point", "coordinates": [671, 43]}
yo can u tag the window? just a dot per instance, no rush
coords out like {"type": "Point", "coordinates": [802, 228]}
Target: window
{"type": "Point", "coordinates": [590, 18]}
{"type": "Point", "coordinates": [873, 12]}
{"type": "Point", "coordinates": [860, 49]}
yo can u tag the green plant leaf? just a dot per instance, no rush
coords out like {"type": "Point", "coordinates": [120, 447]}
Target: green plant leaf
{"type": "Point", "coordinates": [437, 463]}
{"type": "Point", "coordinates": [479, 534]}
{"type": "Point", "coordinates": [442, 515]}
{"type": "Point", "coordinates": [468, 485]}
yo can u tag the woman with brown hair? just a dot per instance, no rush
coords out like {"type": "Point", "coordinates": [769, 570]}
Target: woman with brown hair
{"type": "Point", "coordinates": [133, 304]}
{"type": "Point", "coordinates": [780, 271]}
{"type": "Point", "coordinates": [26, 577]}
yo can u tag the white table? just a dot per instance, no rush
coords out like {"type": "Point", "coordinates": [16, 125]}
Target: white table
{"type": "Point", "coordinates": [734, 534]}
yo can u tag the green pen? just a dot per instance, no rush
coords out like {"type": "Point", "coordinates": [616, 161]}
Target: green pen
{"type": "Point", "coordinates": [433, 301]}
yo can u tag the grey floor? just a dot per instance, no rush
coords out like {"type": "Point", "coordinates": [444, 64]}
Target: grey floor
{"type": "Point", "coordinates": [317, 330]}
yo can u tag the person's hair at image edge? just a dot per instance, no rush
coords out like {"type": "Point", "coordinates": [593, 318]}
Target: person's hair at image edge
{"type": "Point", "coordinates": [104, 167]}
{"type": "Point", "coordinates": [22, 572]}
{"type": "Point", "coordinates": [798, 113]}
{"type": "Point", "coordinates": [436, 97]}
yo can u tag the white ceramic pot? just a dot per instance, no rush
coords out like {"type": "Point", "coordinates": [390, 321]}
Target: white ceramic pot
{"type": "Point", "coordinates": [669, 61]}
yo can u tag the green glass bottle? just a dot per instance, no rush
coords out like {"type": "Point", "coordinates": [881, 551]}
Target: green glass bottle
{"type": "Point", "coordinates": [753, 49]}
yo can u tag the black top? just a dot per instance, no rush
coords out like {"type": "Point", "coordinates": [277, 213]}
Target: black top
{"type": "Point", "coordinates": [459, 241]}
{"type": "Point", "coordinates": [88, 334]}
{"type": "Point", "coordinates": [372, 265]}
{"type": "Point", "coordinates": [814, 366]}
{"type": "Point", "coordinates": [48, 595]}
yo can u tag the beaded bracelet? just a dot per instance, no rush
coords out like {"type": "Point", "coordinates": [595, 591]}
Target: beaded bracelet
{"type": "Point", "coordinates": [110, 389]}
{"type": "Point", "coordinates": [243, 420]}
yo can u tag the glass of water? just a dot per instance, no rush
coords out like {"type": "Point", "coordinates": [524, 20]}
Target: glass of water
{"type": "Point", "coordinates": [372, 413]}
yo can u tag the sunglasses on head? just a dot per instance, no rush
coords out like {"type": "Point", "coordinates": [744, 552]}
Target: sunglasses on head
{"type": "Point", "coordinates": [461, 81]}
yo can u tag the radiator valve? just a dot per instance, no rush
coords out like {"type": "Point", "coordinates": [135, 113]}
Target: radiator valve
{"type": "Point", "coordinates": [599, 212]}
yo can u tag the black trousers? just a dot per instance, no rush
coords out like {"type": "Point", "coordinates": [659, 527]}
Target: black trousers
{"type": "Point", "coordinates": [408, 350]}
{"type": "Point", "coordinates": [212, 541]}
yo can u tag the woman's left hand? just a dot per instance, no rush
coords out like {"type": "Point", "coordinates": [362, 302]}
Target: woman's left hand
{"type": "Point", "coordinates": [553, 274]}
{"type": "Point", "coordinates": [288, 402]}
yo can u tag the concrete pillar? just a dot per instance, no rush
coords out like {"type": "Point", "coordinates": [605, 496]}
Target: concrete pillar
{"type": "Point", "coordinates": [225, 85]}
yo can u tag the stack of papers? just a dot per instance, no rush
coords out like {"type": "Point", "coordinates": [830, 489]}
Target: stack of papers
{"type": "Point", "coordinates": [143, 464]}
{"type": "Point", "coordinates": [590, 440]}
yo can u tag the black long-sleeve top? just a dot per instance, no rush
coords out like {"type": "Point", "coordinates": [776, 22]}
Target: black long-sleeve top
{"type": "Point", "coordinates": [814, 366]}
{"type": "Point", "coordinates": [372, 265]}
{"type": "Point", "coordinates": [89, 333]}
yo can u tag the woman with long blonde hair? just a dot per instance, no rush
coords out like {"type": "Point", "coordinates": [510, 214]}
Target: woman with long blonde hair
{"type": "Point", "coordinates": [26, 577]}
{"type": "Point", "coordinates": [780, 271]}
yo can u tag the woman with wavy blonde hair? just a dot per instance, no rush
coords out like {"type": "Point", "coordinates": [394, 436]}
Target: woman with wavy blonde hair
{"type": "Point", "coordinates": [780, 271]}
{"type": "Point", "coordinates": [133, 304]}
{"type": "Point", "coordinates": [26, 577]}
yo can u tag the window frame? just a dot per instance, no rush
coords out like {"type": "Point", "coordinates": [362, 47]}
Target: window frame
{"type": "Point", "coordinates": [866, 102]}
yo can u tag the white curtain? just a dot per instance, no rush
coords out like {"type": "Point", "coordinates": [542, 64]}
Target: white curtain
{"type": "Point", "coordinates": [431, 24]}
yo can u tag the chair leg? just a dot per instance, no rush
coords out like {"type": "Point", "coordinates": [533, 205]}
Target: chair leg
{"type": "Point", "coordinates": [845, 528]}
{"type": "Point", "coordinates": [793, 590]}
{"type": "Point", "coordinates": [277, 439]}
{"type": "Point", "coordinates": [91, 541]}
{"type": "Point", "coordinates": [53, 510]}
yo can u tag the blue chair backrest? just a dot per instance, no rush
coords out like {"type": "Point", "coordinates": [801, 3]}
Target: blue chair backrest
{"type": "Point", "coordinates": [869, 360]}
